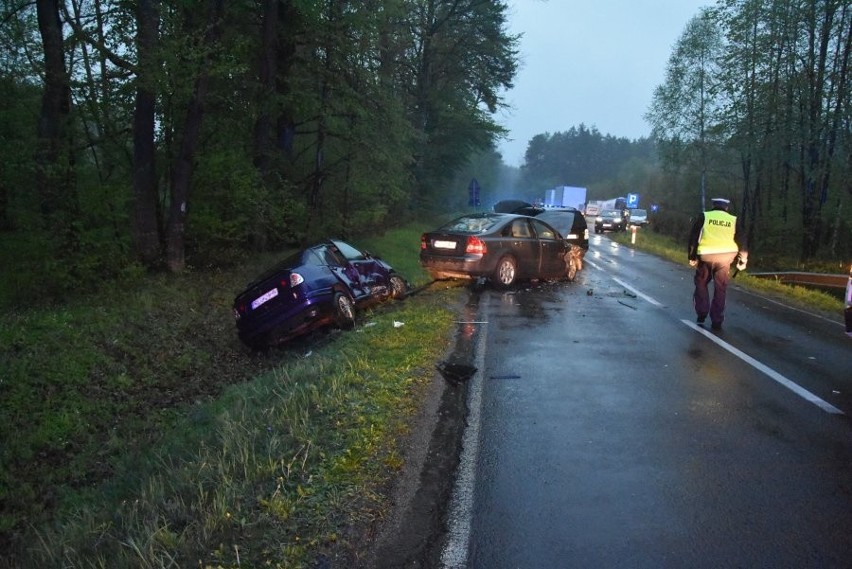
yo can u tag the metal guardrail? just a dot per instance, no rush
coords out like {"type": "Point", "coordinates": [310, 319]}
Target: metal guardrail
{"type": "Point", "coordinates": [809, 279]}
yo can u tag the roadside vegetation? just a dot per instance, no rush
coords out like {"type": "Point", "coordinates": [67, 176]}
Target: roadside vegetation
{"type": "Point", "coordinates": [675, 250]}
{"type": "Point", "coordinates": [138, 432]}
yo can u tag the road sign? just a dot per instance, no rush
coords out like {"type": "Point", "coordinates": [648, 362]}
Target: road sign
{"type": "Point", "coordinates": [632, 201]}
{"type": "Point", "coordinates": [473, 193]}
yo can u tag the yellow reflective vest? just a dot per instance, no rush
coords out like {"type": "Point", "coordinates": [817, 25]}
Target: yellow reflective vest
{"type": "Point", "coordinates": [717, 234]}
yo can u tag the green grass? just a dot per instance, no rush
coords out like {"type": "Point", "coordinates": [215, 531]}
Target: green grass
{"type": "Point", "coordinates": [138, 432]}
{"type": "Point", "coordinates": [673, 250]}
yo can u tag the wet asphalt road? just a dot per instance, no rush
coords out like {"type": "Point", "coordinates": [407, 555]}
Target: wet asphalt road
{"type": "Point", "coordinates": [607, 429]}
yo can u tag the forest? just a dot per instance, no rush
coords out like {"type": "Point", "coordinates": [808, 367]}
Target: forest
{"type": "Point", "coordinates": [156, 136]}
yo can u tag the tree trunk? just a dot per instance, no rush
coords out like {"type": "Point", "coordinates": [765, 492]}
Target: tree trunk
{"type": "Point", "coordinates": [263, 128]}
{"type": "Point", "coordinates": [183, 166]}
{"type": "Point", "coordinates": [145, 229]}
{"type": "Point", "coordinates": [53, 174]}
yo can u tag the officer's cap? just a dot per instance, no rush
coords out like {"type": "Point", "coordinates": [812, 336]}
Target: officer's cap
{"type": "Point", "coordinates": [721, 201]}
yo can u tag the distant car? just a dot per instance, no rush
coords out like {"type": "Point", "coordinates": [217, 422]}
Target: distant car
{"type": "Point", "coordinates": [571, 224]}
{"type": "Point", "coordinates": [320, 285]}
{"type": "Point", "coordinates": [610, 220]}
{"type": "Point", "coordinates": [638, 217]}
{"type": "Point", "coordinates": [503, 248]}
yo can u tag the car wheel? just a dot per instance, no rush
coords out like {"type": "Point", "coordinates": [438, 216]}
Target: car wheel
{"type": "Point", "coordinates": [506, 272]}
{"type": "Point", "coordinates": [344, 312]}
{"type": "Point", "coordinates": [397, 286]}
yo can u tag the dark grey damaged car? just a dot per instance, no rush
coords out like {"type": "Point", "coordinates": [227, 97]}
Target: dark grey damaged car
{"type": "Point", "coordinates": [502, 248]}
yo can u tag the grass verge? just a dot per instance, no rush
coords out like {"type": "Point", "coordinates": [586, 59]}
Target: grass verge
{"type": "Point", "coordinates": [139, 433]}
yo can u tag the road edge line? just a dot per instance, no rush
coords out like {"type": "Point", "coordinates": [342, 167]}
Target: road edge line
{"type": "Point", "coordinates": [454, 555]}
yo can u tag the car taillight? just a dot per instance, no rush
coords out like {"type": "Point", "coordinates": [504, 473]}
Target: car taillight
{"type": "Point", "coordinates": [475, 246]}
{"type": "Point", "coordinates": [295, 279]}
{"type": "Point", "coordinates": [423, 242]}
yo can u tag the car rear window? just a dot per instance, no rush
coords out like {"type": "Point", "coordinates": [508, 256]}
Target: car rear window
{"type": "Point", "coordinates": [471, 224]}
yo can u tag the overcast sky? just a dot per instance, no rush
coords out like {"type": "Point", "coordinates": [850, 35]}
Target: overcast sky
{"type": "Point", "coordinates": [595, 63]}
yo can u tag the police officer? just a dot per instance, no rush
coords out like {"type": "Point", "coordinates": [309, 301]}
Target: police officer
{"type": "Point", "coordinates": [716, 240]}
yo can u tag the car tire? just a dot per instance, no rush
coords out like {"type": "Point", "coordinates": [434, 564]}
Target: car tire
{"type": "Point", "coordinates": [397, 286]}
{"type": "Point", "coordinates": [344, 311]}
{"type": "Point", "coordinates": [506, 272]}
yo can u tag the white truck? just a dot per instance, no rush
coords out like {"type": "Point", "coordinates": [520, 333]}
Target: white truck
{"type": "Point", "coordinates": [566, 196]}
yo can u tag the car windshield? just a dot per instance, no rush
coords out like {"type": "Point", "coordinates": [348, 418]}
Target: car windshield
{"type": "Point", "coordinates": [351, 253]}
{"type": "Point", "coordinates": [611, 213]}
{"type": "Point", "coordinates": [471, 224]}
{"type": "Point", "coordinates": [638, 213]}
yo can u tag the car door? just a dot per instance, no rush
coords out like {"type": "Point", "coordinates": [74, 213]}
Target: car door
{"type": "Point", "coordinates": [551, 249]}
{"type": "Point", "coordinates": [524, 247]}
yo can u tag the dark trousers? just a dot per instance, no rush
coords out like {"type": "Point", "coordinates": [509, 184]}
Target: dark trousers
{"type": "Point", "coordinates": [715, 267]}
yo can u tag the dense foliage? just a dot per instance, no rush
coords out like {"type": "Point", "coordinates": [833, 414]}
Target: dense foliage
{"type": "Point", "coordinates": [757, 102]}
{"type": "Point", "coordinates": [168, 132]}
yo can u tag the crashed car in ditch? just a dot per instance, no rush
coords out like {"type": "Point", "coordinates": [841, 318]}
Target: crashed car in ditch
{"type": "Point", "coordinates": [321, 285]}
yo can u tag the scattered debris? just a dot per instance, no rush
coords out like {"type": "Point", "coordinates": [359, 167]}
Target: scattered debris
{"type": "Point", "coordinates": [398, 324]}
{"type": "Point", "coordinates": [627, 305]}
{"type": "Point", "coordinates": [455, 373]}
{"type": "Point", "coordinates": [590, 292]}
{"type": "Point", "coordinates": [630, 294]}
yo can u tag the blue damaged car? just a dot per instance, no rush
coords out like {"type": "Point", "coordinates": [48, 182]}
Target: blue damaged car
{"type": "Point", "coordinates": [321, 285]}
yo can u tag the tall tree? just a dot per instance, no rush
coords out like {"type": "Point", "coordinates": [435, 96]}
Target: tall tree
{"type": "Point", "coordinates": [183, 164]}
{"type": "Point", "coordinates": [685, 106]}
{"type": "Point", "coordinates": [463, 57]}
{"type": "Point", "coordinates": [54, 159]}
{"type": "Point", "coordinates": [146, 227]}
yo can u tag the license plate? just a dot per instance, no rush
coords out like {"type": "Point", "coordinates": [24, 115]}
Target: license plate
{"type": "Point", "coordinates": [444, 244]}
{"type": "Point", "coordinates": [264, 298]}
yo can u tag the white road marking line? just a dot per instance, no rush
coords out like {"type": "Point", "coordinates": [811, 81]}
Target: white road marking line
{"type": "Point", "coordinates": [455, 551]}
{"type": "Point", "coordinates": [789, 384]}
{"type": "Point", "coordinates": [638, 293]}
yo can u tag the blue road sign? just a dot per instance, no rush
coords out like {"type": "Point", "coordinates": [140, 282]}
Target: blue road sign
{"type": "Point", "coordinates": [473, 193]}
{"type": "Point", "coordinates": [632, 201]}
